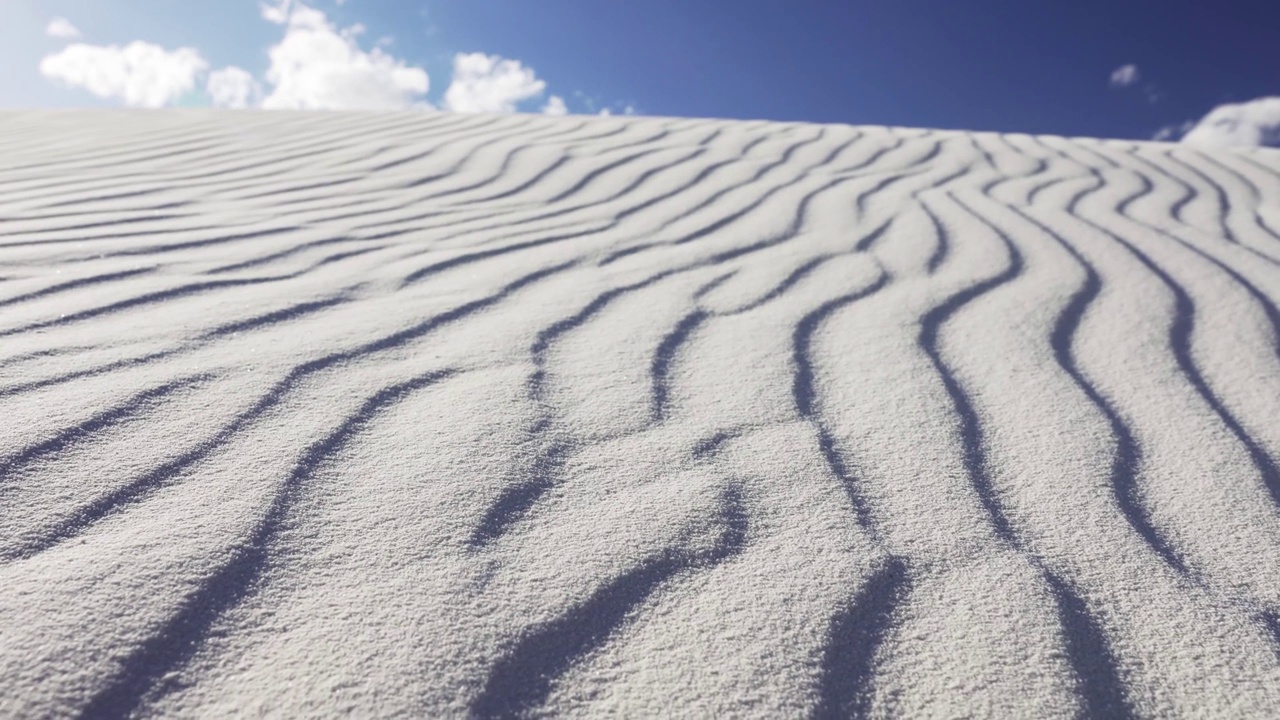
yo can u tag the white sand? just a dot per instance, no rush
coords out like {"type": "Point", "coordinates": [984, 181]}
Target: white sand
{"type": "Point", "coordinates": [437, 415]}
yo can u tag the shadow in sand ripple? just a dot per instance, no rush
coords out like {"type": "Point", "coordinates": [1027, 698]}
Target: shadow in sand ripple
{"type": "Point", "coordinates": [145, 672]}
{"type": "Point", "coordinates": [526, 674]}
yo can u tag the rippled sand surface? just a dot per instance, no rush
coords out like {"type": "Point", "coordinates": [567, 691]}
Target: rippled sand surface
{"type": "Point", "coordinates": [438, 415]}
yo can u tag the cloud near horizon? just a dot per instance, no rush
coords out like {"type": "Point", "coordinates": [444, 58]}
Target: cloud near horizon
{"type": "Point", "coordinates": [1255, 123]}
{"type": "Point", "coordinates": [318, 67]}
{"type": "Point", "coordinates": [314, 66]}
{"type": "Point", "coordinates": [233, 87]}
{"type": "Point", "coordinates": [489, 83]}
{"type": "Point", "coordinates": [555, 106]}
{"type": "Point", "coordinates": [1172, 133]}
{"type": "Point", "coordinates": [139, 74]}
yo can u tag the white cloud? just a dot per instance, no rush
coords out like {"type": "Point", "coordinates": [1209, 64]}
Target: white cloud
{"type": "Point", "coordinates": [488, 83]}
{"type": "Point", "coordinates": [317, 66]}
{"type": "Point", "coordinates": [1125, 75]}
{"type": "Point", "coordinates": [1171, 133]}
{"type": "Point", "coordinates": [278, 13]}
{"type": "Point", "coordinates": [1256, 122]}
{"type": "Point", "coordinates": [140, 74]}
{"type": "Point", "coordinates": [61, 27]}
{"type": "Point", "coordinates": [555, 106]}
{"type": "Point", "coordinates": [233, 87]}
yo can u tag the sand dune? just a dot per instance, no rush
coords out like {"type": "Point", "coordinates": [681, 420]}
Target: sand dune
{"type": "Point", "coordinates": [440, 415]}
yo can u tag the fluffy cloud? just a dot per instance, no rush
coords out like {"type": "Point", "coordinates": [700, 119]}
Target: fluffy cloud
{"type": "Point", "coordinates": [233, 87]}
{"type": "Point", "coordinates": [61, 27]}
{"type": "Point", "coordinates": [317, 66]}
{"type": "Point", "coordinates": [1251, 123]}
{"type": "Point", "coordinates": [1124, 76]}
{"type": "Point", "coordinates": [555, 106]}
{"type": "Point", "coordinates": [140, 74]}
{"type": "Point", "coordinates": [488, 83]}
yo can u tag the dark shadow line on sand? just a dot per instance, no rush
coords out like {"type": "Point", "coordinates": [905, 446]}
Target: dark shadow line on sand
{"type": "Point", "coordinates": [150, 670]}
{"type": "Point", "coordinates": [525, 675]}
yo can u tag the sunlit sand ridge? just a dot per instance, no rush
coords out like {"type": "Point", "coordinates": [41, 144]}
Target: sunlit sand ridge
{"type": "Point", "coordinates": [426, 414]}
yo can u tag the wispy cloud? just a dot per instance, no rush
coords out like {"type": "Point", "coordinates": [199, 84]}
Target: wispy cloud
{"type": "Point", "coordinates": [1125, 75]}
{"type": "Point", "coordinates": [61, 27]}
{"type": "Point", "coordinates": [595, 106]}
{"type": "Point", "coordinates": [1172, 133]}
{"type": "Point", "coordinates": [277, 13]}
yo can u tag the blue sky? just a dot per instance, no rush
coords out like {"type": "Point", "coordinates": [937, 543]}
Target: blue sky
{"type": "Point", "coordinates": [1004, 65]}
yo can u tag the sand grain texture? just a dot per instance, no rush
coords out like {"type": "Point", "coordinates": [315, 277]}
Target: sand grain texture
{"type": "Point", "coordinates": [411, 415]}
